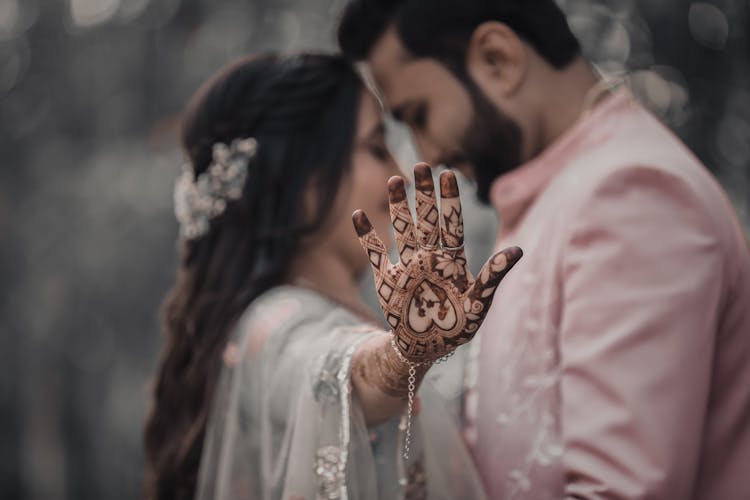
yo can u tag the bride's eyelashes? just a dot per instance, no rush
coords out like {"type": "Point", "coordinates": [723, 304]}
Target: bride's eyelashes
{"type": "Point", "coordinates": [418, 117]}
{"type": "Point", "coordinates": [379, 151]}
{"type": "Point", "coordinates": [413, 114]}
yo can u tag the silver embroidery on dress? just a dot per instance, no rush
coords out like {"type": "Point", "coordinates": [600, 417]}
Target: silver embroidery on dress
{"type": "Point", "coordinates": [327, 472]}
{"type": "Point", "coordinates": [330, 461]}
{"type": "Point", "coordinates": [326, 385]}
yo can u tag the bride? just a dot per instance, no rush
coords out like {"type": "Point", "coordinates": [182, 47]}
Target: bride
{"type": "Point", "coordinates": [275, 381]}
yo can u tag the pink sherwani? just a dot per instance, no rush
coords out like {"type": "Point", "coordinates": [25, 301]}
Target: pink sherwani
{"type": "Point", "coordinates": [615, 361]}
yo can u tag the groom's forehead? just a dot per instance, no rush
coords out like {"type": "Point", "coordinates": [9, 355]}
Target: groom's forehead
{"type": "Point", "coordinates": [396, 72]}
{"type": "Point", "coordinates": [415, 81]}
{"type": "Point", "coordinates": [389, 56]}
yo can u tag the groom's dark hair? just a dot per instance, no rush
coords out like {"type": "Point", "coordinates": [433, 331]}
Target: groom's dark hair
{"type": "Point", "coordinates": [441, 29]}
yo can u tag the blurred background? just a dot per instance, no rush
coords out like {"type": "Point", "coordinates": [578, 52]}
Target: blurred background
{"type": "Point", "coordinates": [90, 93]}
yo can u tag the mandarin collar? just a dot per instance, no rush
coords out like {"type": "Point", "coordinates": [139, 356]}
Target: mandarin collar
{"type": "Point", "coordinates": [512, 194]}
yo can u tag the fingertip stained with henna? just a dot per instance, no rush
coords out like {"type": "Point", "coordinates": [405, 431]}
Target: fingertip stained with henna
{"type": "Point", "coordinates": [423, 177]}
{"type": "Point", "coordinates": [361, 222]}
{"type": "Point", "coordinates": [448, 185]}
{"type": "Point", "coordinates": [396, 189]}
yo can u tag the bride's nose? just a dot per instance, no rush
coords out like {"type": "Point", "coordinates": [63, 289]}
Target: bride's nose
{"type": "Point", "coordinates": [429, 152]}
{"type": "Point", "coordinates": [396, 169]}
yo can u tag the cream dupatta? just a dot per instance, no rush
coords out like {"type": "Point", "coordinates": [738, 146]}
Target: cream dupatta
{"type": "Point", "coordinates": [285, 424]}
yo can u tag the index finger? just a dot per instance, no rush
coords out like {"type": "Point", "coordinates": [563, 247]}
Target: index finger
{"type": "Point", "coordinates": [371, 243]}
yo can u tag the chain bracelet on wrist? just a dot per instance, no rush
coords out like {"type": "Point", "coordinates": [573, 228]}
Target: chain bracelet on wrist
{"type": "Point", "coordinates": [413, 365]}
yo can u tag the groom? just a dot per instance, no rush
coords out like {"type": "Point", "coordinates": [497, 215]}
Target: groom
{"type": "Point", "coordinates": [620, 365]}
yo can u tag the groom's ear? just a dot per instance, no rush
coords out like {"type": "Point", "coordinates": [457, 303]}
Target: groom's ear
{"type": "Point", "coordinates": [497, 59]}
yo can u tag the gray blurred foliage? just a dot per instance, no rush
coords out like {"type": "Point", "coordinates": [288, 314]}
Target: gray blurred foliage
{"type": "Point", "coordinates": [90, 92]}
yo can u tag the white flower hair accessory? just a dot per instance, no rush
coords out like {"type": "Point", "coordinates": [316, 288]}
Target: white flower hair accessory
{"type": "Point", "coordinates": [198, 200]}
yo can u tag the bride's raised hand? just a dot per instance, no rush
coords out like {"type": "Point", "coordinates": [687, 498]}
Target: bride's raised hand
{"type": "Point", "coordinates": [429, 297]}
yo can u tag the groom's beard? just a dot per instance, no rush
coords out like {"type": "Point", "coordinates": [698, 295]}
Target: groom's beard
{"type": "Point", "coordinates": [491, 144]}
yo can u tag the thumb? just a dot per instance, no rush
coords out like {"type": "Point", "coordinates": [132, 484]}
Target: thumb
{"type": "Point", "coordinates": [493, 272]}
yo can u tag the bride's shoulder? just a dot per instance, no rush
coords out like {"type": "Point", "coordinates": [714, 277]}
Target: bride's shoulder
{"type": "Point", "coordinates": [285, 316]}
{"type": "Point", "coordinates": [282, 299]}
{"type": "Point", "coordinates": [284, 308]}
{"type": "Point", "coordinates": [282, 304]}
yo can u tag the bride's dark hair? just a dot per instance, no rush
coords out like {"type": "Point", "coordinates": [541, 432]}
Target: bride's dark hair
{"type": "Point", "coordinates": [302, 110]}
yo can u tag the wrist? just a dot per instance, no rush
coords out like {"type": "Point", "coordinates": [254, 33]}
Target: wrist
{"type": "Point", "coordinates": [426, 360]}
{"type": "Point", "coordinates": [394, 369]}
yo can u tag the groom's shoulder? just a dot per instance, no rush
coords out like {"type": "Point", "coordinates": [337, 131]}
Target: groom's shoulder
{"type": "Point", "coordinates": [634, 169]}
{"type": "Point", "coordinates": [637, 138]}
{"type": "Point", "coordinates": [638, 152]}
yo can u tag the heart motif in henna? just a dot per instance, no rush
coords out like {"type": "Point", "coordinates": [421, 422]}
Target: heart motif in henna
{"type": "Point", "coordinates": [429, 297]}
{"type": "Point", "coordinates": [431, 306]}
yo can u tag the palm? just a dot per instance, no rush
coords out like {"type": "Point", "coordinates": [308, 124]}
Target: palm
{"type": "Point", "coordinates": [429, 297]}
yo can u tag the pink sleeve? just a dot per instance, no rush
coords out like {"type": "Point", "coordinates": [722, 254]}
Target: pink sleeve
{"type": "Point", "coordinates": [642, 291]}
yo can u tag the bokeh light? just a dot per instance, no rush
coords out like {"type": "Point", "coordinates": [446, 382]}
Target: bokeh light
{"type": "Point", "coordinates": [708, 25]}
{"type": "Point", "coordinates": [87, 13]}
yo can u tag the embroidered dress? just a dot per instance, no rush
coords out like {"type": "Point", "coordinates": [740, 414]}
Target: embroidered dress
{"type": "Point", "coordinates": [285, 424]}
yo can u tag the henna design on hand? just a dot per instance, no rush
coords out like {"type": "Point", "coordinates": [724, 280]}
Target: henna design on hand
{"type": "Point", "coordinates": [429, 297]}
